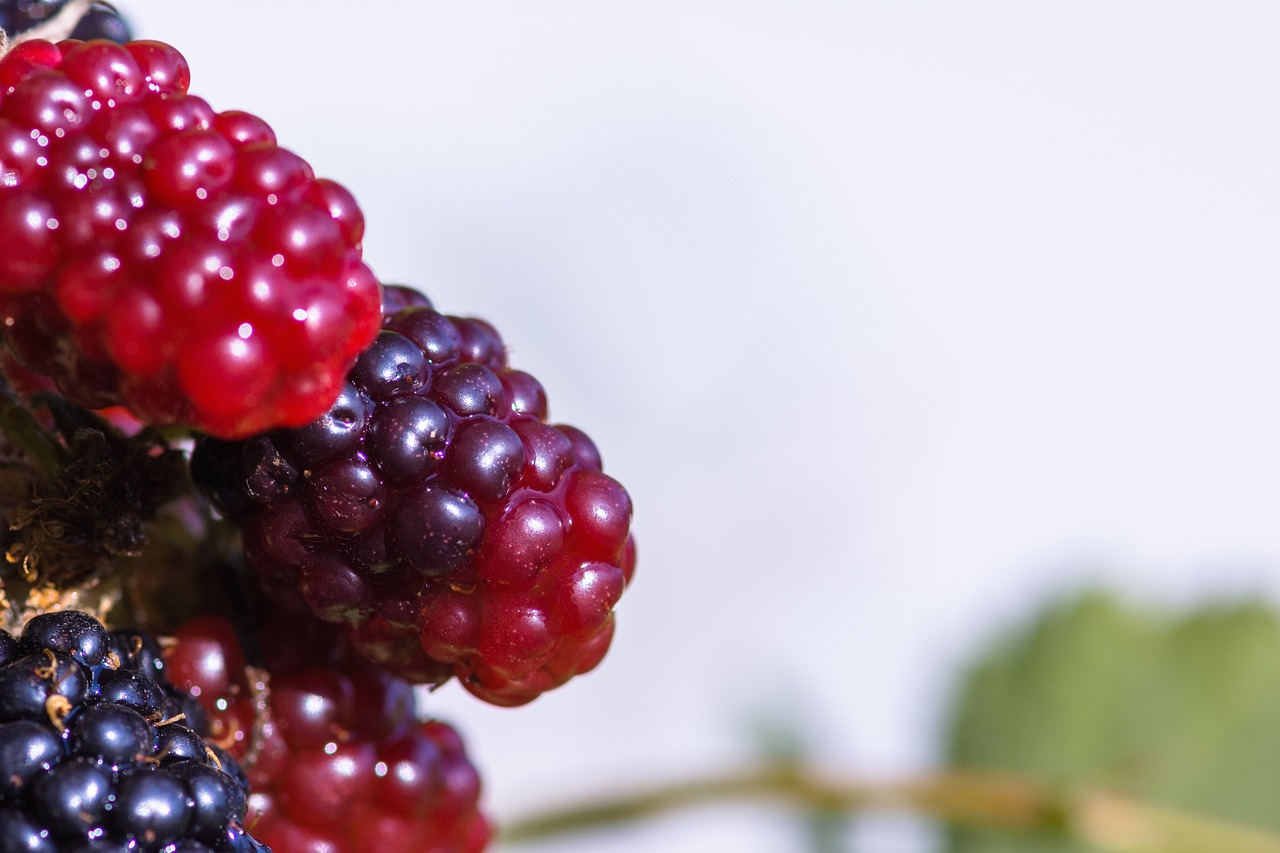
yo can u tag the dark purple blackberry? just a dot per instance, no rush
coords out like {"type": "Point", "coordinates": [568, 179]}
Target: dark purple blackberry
{"type": "Point", "coordinates": [131, 689]}
{"type": "Point", "coordinates": [397, 297]}
{"type": "Point", "coordinates": [102, 21]}
{"type": "Point", "coordinates": [215, 795]}
{"type": "Point", "coordinates": [27, 749]}
{"type": "Point", "coordinates": [33, 684]}
{"type": "Point", "coordinates": [237, 841]}
{"type": "Point", "coordinates": [179, 743]}
{"type": "Point", "coordinates": [111, 734]}
{"type": "Point", "coordinates": [137, 652]}
{"type": "Point", "coordinates": [21, 833]}
{"type": "Point", "coordinates": [71, 799]}
{"type": "Point", "coordinates": [436, 515]}
{"type": "Point", "coordinates": [153, 806]}
{"type": "Point", "coordinates": [8, 647]}
{"type": "Point", "coordinates": [70, 632]}
{"type": "Point", "coordinates": [96, 750]}
{"type": "Point", "coordinates": [18, 16]}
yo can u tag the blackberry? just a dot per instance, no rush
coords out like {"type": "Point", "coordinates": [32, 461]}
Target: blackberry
{"type": "Point", "coordinates": [436, 515]}
{"type": "Point", "coordinates": [342, 763]}
{"type": "Point", "coordinates": [95, 753]}
{"type": "Point", "coordinates": [160, 255]}
{"type": "Point", "coordinates": [102, 21]}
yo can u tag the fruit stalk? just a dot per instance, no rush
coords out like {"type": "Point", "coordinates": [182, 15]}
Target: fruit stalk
{"type": "Point", "coordinates": [977, 799]}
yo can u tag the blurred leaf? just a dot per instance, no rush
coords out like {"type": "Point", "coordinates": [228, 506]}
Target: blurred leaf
{"type": "Point", "coordinates": [780, 739]}
{"type": "Point", "coordinates": [825, 832]}
{"type": "Point", "coordinates": [1183, 709]}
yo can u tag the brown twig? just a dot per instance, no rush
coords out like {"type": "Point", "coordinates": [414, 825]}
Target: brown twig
{"type": "Point", "coordinates": [1106, 821]}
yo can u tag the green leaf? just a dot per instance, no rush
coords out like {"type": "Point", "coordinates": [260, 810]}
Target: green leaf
{"type": "Point", "coordinates": [1182, 709]}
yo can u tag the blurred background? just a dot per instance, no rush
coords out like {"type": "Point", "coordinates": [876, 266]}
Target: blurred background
{"type": "Point", "coordinates": [896, 319]}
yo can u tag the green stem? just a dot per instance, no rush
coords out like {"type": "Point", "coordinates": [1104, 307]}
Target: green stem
{"type": "Point", "coordinates": [1103, 820]}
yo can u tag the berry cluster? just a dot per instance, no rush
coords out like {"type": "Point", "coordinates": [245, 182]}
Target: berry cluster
{"type": "Point", "coordinates": [406, 512]}
{"type": "Point", "coordinates": [95, 752]}
{"type": "Point", "coordinates": [434, 513]}
{"type": "Point", "coordinates": [159, 254]}
{"type": "Point", "coordinates": [341, 762]}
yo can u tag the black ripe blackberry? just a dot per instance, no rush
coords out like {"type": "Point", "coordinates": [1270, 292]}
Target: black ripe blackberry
{"type": "Point", "coordinates": [102, 21]}
{"type": "Point", "coordinates": [96, 752]}
{"type": "Point", "coordinates": [435, 514]}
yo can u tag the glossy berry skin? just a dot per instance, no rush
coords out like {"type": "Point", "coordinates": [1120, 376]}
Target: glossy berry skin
{"type": "Point", "coordinates": [95, 750]}
{"type": "Point", "coordinates": [160, 255]}
{"type": "Point", "coordinates": [435, 514]}
{"type": "Point", "coordinates": [102, 21]}
{"type": "Point", "coordinates": [344, 766]}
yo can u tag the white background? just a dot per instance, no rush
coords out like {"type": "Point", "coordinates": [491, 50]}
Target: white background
{"type": "Point", "coordinates": [892, 316]}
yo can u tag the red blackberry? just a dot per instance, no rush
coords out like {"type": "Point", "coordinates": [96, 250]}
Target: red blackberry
{"type": "Point", "coordinates": [94, 749]}
{"type": "Point", "coordinates": [157, 254]}
{"type": "Point", "coordinates": [341, 763]}
{"type": "Point", "coordinates": [435, 514]}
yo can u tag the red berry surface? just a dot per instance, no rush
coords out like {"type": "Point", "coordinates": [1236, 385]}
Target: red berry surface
{"type": "Point", "coordinates": [158, 254]}
{"type": "Point", "coordinates": [436, 515]}
{"type": "Point", "coordinates": [341, 763]}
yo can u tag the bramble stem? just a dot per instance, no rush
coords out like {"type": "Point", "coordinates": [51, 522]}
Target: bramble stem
{"type": "Point", "coordinates": [1106, 821]}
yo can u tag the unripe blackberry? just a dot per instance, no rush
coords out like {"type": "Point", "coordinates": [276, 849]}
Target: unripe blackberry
{"type": "Point", "coordinates": [341, 762]}
{"type": "Point", "coordinates": [436, 515]}
{"type": "Point", "coordinates": [158, 254]}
